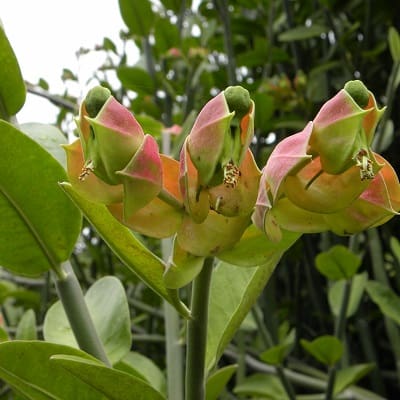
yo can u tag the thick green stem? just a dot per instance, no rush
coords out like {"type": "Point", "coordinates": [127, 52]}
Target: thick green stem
{"type": "Point", "coordinates": [71, 296]}
{"type": "Point", "coordinates": [197, 334]}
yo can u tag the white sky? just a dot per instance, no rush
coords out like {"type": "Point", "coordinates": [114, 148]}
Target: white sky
{"type": "Point", "coordinates": [45, 35]}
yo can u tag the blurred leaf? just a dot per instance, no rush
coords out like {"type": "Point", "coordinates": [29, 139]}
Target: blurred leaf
{"type": "Point", "coordinates": [40, 224]}
{"type": "Point", "coordinates": [141, 261]}
{"type": "Point", "coordinates": [384, 297]}
{"type": "Point", "coordinates": [26, 366]}
{"type": "Point", "coordinates": [3, 335]}
{"type": "Point", "coordinates": [267, 386]}
{"type": "Point", "coordinates": [395, 247]}
{"type": "Point", "coordinates": [136, 79]}
{"type": "Point", "coordinates": [228, 308]}
{"type": "Point", "coordinates": [276, 354]}
{"type": "Point", "coordinates": [175, 5]}
{"type": "Point", "coordinates": [150, 125]}
{"type": "Point", "coordinates": [337, 263]}
{"type": "Point", "coordinates": [265, 108]}
{"type": "Point", "coordinates": [394, 43]}
{"type": "Point", "coordinates": [387, 136]}
{"type": "Point", "coordinates": [49, 137]}
{"type": "Point", "coordinates": [326, 349]}
{"type": "Point", "coordinates": [12, 86]}
{"type": "Point", "coordinates": [166, 35]}
{"type": "Point", "coordinates": [218, 380]}
{"type": "Point", "coordinates": [113, 384]}
{"type": "Point", "coordinates": [26, 329]}
{"type": "Point", "coordinates": [138, 16]}
{"type": "Point", "coordinates": [302, 33]}
{"type": "Point", "coordinates": [350, 375]}
{"type": "Point", "coordinates": [108, 306]}
{"type": "Point", "coordinates": [138, 365]}
{"type": "Point", "coordinates": [335, 294]}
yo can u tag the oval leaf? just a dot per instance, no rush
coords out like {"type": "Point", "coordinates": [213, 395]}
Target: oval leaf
{"type": "Point", "coordinates": [138, 16]}
{"type": "Point", "coordinates": [394, 43]}
{"type": "Point", "coordinates": [113, 384]}
{"type": "Point", "coordinates": [39, 225]}
{"type": "Point", "coordinates": [26, 329]}
{"type": "Point", "coordinates": [136, 79]}
{"type": "Point", "coordinates": [12, 86]}
{"type": "Point", "coordinates": [350, 375]}
{"type": "Point", "coordinates": [326, 349]}
{"type": "Point", "coordinates": [127, 248]}
{"type": "Point", "coordinates": [42, 379]}
{"type": "Point", "coordinates": [218, 380]}
{"type": "Point", "coordinates": [108, 306]}
{"type": "Point", "coordinates": [337, 263]}
{"type": "Point", "coordinates": [49, 137]}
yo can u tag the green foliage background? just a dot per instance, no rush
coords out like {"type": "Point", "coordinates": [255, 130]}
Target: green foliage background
{"type": "Point", "coordinates": [291, 56]}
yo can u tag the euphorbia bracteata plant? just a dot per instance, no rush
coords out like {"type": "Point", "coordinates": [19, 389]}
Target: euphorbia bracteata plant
{"type": "Point", "coordinates": [326, 177]}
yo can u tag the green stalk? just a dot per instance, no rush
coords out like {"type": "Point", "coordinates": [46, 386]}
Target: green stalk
{"type": "Point", "coordinates": [174, 350]}
{"type": "Point", "coordinates": [71, 296]}
{"type": "Point", "coordinates": [197, 334]}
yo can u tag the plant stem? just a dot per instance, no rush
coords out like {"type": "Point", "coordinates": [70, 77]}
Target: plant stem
{"type": "Point", "coordinates": [71, 296]}
{"type": "Point", "coordinates": [197, 334]}
{"type": "Point", "coordinates": [174, 350]}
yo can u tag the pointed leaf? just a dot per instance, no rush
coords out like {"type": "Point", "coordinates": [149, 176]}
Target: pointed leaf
{"type": "Point", "coordinates": [40, 224]}
{"type": "Point", "coordinates": [12, 87]}
{"type": "Point", "coordinates": [326, 349]}
{"type": "Point", "coordinates": [302, 33]}
{"type": "Point", "coordinates": [276, 354]}
{"type": "Point", "coordinates": [43, 380]}
{"type": "Point", "coordinates": [142, 367]}
{"type": "Point", "coordinates": [350, 375]}
{"type": "Point", "coordinates": [394, 43]}
{"type": "Point", "coordinates": [218, 380]}
{"type": "Point", "coordinates": [228, 308]}
{"type": "Point", "coordinates": [108, 306]}
{"type": "Point", "coordinates": [130, 251]}
{"type": "Point", "coordinates": [385, 298]}
{"type": "Point", "coordinates": [113, 384]}
{"type": "Point", "coordinates": [136, 79]}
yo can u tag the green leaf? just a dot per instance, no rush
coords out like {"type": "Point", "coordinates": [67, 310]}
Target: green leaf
{"type": "Point", "coordinates": [384, 297]}
{"type": "Point", "coordinates": [337, 263]}
{"type": "Point", "coordinates": [26, 329]}
{"type": "Point", "coordinates": [254, 248]}
{"type": "Point", "coordinates": [142, 367]}
{"type": "Point", "coordinates": [276, 354]}
{"type": "Point", "coordinates": [113, 384]}
{"type": "Point", "coordinates": [218, 380]}
{"type": "Point", "coordinates": [12, 86]}
{"type": "Point", "coordinates": [49, 137]}
{"type": "Point", "coordinates": [136, 79]}
{"type": "Point", "coordinates": [350, 375]}
{"type": "Point", "coordinates": [141, 261]}
{"type": "Point", "coordinates": [138, 16]}
{"type": "Point", "coordinates": [268, 386]}
{"type": "Point", "coordinates": [26, 366]}
{"type": "Point", "coordinates": [326, 349]}
{"type": "Point", "coordinates": [109, 309]}
{"type": "Point", "coordinates": [395, 247]}
{"type": "Point", "coordinates": [394, 43]}
{"type": "Point", "coordinates": [150, 125]}
{"type": "Point", "coordinates": [302, 33]}
{"type": "Point", "coordinates": [182, 269]}
{"type": "Point", "coordinates": [39, 224]}
{"type": "Point", "coordinates": [234, 290]}
{"type": "Point", "coordinates": [335, 294]}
